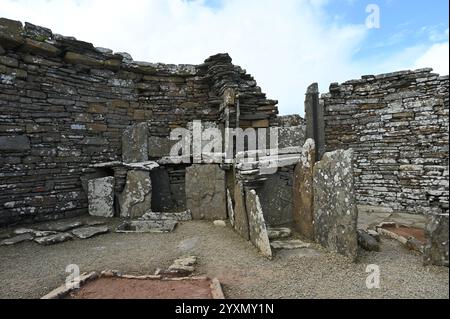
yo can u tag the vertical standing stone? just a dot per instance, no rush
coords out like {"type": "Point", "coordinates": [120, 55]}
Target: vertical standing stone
{"type": "Point", "coordinates": [205, 192]}
{"type": "Point", "coordinates": [101, 197]}
{"type": "Point", "coordinates": [314, 115]}
{"type": "Point", "coordinates": [240, 211]}
{"type": "Point", "coordinates": [257, 225]}
{"type": "Point", "coordinates": [135, 143]}
{"type": "Point", "coordinates": [230, 208]}
{"type": "Point", "coordinates": [335, 211]}
{"type": "Point", "coordinates": [303, 194]}
{"type": "Point", "coordinates": [136, 198]}
{"type": "Point", "coordinates": [436, 247]}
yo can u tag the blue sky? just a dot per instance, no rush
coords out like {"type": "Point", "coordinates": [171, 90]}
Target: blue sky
{"type": "Point", "coordinates": [285, 44]}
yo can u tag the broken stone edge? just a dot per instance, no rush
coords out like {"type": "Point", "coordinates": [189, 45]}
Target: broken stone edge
{"type": "Point", "coordinates": [63, 290]}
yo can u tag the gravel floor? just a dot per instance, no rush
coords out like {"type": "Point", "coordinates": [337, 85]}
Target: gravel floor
{"type": "Point", "coordinates": [28, 270]}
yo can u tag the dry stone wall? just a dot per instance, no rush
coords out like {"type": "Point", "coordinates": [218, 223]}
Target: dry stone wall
{"type": "Point", "coordinates": [64, 105]}
{"type": "Point", "coordinates": [398, 126]}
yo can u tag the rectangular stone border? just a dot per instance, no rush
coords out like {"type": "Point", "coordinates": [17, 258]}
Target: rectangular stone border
{"type": "Point", "coordinates": [64, 290]}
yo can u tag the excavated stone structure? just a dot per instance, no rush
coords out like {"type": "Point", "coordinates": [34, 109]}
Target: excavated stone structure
{"type": "Point", "coordinates": [86, 130]}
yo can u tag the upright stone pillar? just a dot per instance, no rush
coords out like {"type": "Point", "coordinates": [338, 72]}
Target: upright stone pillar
{"type": "Point", "coordinates": [315, 123]}
{"type": "Point", "coordinates": [303, 193]}
{"type": "Point", "coordinates": [436, 247]}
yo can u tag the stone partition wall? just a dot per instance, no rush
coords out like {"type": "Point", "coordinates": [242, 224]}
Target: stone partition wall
{"type": "Point", "coordinates": [64, 105]}
{"type": "Point", "coordinates": [398, 126]}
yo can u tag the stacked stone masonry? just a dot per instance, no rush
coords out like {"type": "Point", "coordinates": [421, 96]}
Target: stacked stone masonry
{"type": "Point", "coordinates": [65, 104]}
{"type": "Point", "coordinates": [398, 126]}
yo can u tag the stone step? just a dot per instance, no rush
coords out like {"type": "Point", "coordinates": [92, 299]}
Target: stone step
{"type": "Point", "coordinates": [181, 216]}
{"type": "Point", "coordinates": [278, 232]}
{"type": "Point", "coordinates": [289, 244]}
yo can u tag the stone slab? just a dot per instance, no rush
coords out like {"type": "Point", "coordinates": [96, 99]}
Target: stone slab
{"type": "Point", "coordinates": [205, 192]}
{"type": "Point", "coordinates": [240, 211]}
{"type": "Point", "coordinates": [101, 197]}
{"type": "Point", "coordinates": [436, 234]}
{"type": "Point", "coordinates": [54, 239]}
{"type": "Point", "coordinates": [335, 211]}
{"type": "Point", "coordinates": [88, 232]}
{"type": "Point", "coordinates": [16, 239]}
{"type": "Point", "coordinates": [136, 197]}
{"type": "Point", "coordinates": [135, 143]}
{"type": "Point", "coordinates": [303, 192]}
{"type": "Point", "coordinates": [257, 225]}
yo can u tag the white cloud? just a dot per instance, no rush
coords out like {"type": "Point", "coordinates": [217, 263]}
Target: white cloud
{"type": "Point", "coordinates": [437, 57]}
{"type": "Point", "coordinates": [286, 45]}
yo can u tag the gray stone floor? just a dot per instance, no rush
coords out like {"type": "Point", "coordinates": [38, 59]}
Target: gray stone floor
{"type": "Point", "coordinates": [28, 270]}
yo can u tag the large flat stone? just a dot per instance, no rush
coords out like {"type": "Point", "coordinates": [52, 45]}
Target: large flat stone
{"type": "Point", "coordinates": [147, 226]}
{"type": "Point", "coordinates": [335, 211]}
{"type": "Point", "coordinates": [303, 194]}
{"type": "Point", "coordinates": [275, 195]}
{"type": "Point", "coordinates": [54, 239]}
{"type": "Point", "coordinates": [240, 211]}
{"type": "Point", "coordinates": [180, 216]}
{"type": "Point", "coordinates": [14, 143]}
{"type": "Point", "coordinates": [136, 198]}
{"type": "Point", "coordinates": [205, 192]}
{"type": "Point", "coordinates": [135, 143]}
{"type": "Point", "coordinates": [101, 197]}
{"type": "Point", "coordinates": [88, 232]}
{"type": "Point", "coordinates": [60, 226]}
{"type": "Point", "coordinates": [16, 239]}
{"type": "Point", "coordinates": [257, 225]}
{"type": "Point", "coordinates": [436, 247]}
{"type": "Point", "coordinates": [289, 244]}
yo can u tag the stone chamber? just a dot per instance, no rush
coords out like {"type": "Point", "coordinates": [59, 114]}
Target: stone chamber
{"type": "Point", "coordinates": [86, 131]}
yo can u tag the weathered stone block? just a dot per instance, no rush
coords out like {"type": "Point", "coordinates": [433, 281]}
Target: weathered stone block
{"type": "Point", "coordinates": [101, 197]}
{"type": "Point", "coordinates": [10, 33]}
{"type": "Point", "coordinates": [76, 58]}
{"type": "Point", "coordinates": [40, 48]}
{"type": "Point", "coordinates": [230, 208]}
{"type": "Point", "coordinates": [303, 195]}
{"type": "Point", "coordinates": [276, 199]}
{"type": "Point", "coordinates": [293, 136]}
{"type": "Point", "coordinates": [14, 143]}
{"type": "Point", "coordinates": [335, 211]}
{"type": "Point", "coordinates": [436, 247]}
{"type": "Point", "coordinates": [135, 143]}
{"type": "Point", "coordinates": [88, 232]}
{"type": "Point", "coordinates": [205, 192]}
{"type": "Point", "coordinates": [136, 198]}
{"type": "Point", "coordinates": [240, 211]}
{"type": "Point", "coordinates": [159, 146]}
{"type": "Point", "coordinates": [257, 225]}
